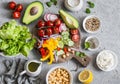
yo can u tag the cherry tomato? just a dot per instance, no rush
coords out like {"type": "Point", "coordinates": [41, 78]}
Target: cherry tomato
{"type": "Point", "coordinates": [16, 15]}
{"type": "Point", "coordinates": [49, 23]}
{"type": "Point", "coordinates": [56, 30]}
{"type": "Point", "coordinates": [42, 52]}
{"type": "Point", "coordinates": [74, 31]}
{"type": "Point", "coordinates": [19, 8]}
{"type": "Point", "coordinates": [75, 38]}
{"type": "Point", "coordinates": [58, 48]}
{"type": "Point", "coordinates": [12, 5]}
{"type": "Point", "coordinates": [57, 22]}
{"type": "Point", "coordinates": [40, 24]}
{"type": "Point", "coordinates": [49, 31]}
{"type": "Point", "coordinates": [65, 49]}
{"type": "Point", "coordinates": [41, 32]}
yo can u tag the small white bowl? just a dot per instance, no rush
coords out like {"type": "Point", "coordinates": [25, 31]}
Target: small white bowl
{"type": "Point", "coordinates": [71, 79]}
{"type": "Point", "coordinates": [96, 42]}
{"type": "Point", "coordinates": [70, 5]}
{"type": "Point", "coordinates": [84, 21]}
{"type": "Point", "coordinates": [115, 60]}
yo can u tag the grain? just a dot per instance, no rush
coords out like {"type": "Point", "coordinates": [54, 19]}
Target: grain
{"type": "Point", "coordinates": [92, 24]}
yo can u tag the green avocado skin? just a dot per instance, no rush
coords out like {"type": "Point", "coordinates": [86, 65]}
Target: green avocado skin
{"type": "Point", "coordinates": [28, 18]}
{"type": "Point", "coordinates": [69, 20]}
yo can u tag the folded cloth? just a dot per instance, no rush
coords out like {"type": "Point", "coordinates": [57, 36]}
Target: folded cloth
{"type": "Point", "coordinates": [11, 75]}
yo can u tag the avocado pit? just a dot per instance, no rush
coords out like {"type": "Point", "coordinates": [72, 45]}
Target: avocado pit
{"type": "Point", "coordinates": [34, 10]}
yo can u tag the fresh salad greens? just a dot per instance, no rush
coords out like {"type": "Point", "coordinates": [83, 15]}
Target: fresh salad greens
{"type": "Point", "coordinates": [15, 39]}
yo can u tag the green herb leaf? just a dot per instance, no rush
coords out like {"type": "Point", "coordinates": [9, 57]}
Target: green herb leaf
{"type": "Point", "coordinates": [82, 54]}
{"type": "Point", "coordinates": [92, 5]}
{"type": "Point", "coordinates": [55, 3]}
{"type": "Point", "coordinates": [49, 4]}
{"type": "Point", "coordinates": [87, 45]}
{"type": "Point", "coordinates": [89, 2]}
{"type": "Point", "coordinates": [88, 11]}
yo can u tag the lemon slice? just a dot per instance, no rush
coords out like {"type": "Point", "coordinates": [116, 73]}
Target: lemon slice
{"type": "Point", "coordinates": [86, 77]}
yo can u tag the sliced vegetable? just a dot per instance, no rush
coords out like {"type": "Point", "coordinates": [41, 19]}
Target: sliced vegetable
{"type": "Point", "coordinates": [70, 43]}
{"type": "Point", "coordinates": [53, 17]}
{"type": "Point", "coordinates": [61, 52]}
{"type": "Point", "coordinates": [60, 44]}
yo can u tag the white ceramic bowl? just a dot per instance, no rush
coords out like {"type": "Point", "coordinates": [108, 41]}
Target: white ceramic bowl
{"type": "Point", "coordinates": [84, 21]}
{"type": "Point", "coordinates": [49, 72]}
{"type": "Point", "coordinates": [70, 5]}
{"type": "Point", "coordinates": [96, 41]}
{"type": "Point", "coordinates": [115, 60]}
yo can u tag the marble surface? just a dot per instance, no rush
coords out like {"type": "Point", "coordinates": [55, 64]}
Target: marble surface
{"type": "Point", "coordinates": [109, 13]}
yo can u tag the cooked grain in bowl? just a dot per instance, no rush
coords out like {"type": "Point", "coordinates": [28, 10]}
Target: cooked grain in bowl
{"type": "Point", "coordinates": [92, 24]}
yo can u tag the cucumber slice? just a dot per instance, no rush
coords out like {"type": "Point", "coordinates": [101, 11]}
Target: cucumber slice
{"type": "Point", "coordinates": [70, 43]}
{"type": "Point", "coordinates": [61, 52]}
{"type": "Point", "coordinates": [65, 33]}
{"type": "Point", "coordinates": [77, 53]}
{"type": "Point", "coordinates": [60, 44]}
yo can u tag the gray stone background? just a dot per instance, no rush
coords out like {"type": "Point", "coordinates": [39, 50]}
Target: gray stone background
{"type": "Point", "coordinates": [109, 13]}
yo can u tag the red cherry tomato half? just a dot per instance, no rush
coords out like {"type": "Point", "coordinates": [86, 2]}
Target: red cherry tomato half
{"type": "Point", "coordinates": [41, 33]}
{"type": "Point", "coordinates": [75, 38]}
{"type": "Point", "coordinates": [56, 30]}
{"type": "Point", "coordinates": [57, 22]}
{"type": "Point", "coordinates": [49, 23]}
{"type": "Point", "coordinates": [12, 5]}
{"type": "Point", "coordinates": [16, 15]}
{"type": "Point", "coordinates": [74, 31]}
{"type": "Point", "coordinates": [65, 49]}
{"type": "Point", "coordinates": [40, 24]}
{"type": "Point", "coordinates": [49, 31]}
{"type": "Point", "coordinates": [19, 8]}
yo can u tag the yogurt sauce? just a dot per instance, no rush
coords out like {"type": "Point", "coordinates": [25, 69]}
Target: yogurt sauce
{"type": "Point", "coordinates": [73, 5]}
{"type": "Point", "coordinates": [106, 60]}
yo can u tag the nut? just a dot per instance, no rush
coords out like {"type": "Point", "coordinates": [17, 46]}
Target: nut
{"type": "Point", "coordinates": [34, 10]}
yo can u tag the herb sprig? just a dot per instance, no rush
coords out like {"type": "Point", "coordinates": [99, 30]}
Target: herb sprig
{"type": "Point", "coordinates": [51, 2]}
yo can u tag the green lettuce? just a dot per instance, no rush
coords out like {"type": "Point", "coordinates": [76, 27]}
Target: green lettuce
{"type": "Point", "coordinates": [15, 39]}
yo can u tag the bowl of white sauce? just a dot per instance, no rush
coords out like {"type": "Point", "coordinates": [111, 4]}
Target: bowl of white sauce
{"type": "Point", "coordinates": [73, 5]}
{"type": "Point", "coordinates": [107, 60]}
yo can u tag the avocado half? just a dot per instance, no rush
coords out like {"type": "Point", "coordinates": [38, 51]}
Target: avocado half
{"type": "Point", "coordinates": [28, 17]}
{"type": "Point", "coordinates": [69, 20]}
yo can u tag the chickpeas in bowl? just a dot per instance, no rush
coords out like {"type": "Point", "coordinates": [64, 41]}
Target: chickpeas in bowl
{"type": "Point", "coordinates": [59, 75]}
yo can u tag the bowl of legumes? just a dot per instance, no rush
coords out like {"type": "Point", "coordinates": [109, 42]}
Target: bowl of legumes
{"type": "Point", "coordinates": [91, 24]}
{"type": "Point", "coordinates": [59, 75]}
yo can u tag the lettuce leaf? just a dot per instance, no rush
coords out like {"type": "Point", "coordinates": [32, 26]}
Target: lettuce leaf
{"type": "Point", "coordinates": [15, 39]}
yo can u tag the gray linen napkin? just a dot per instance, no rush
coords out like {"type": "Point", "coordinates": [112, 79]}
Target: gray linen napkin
{"type": "Point", "coordinates": [11, 75]}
